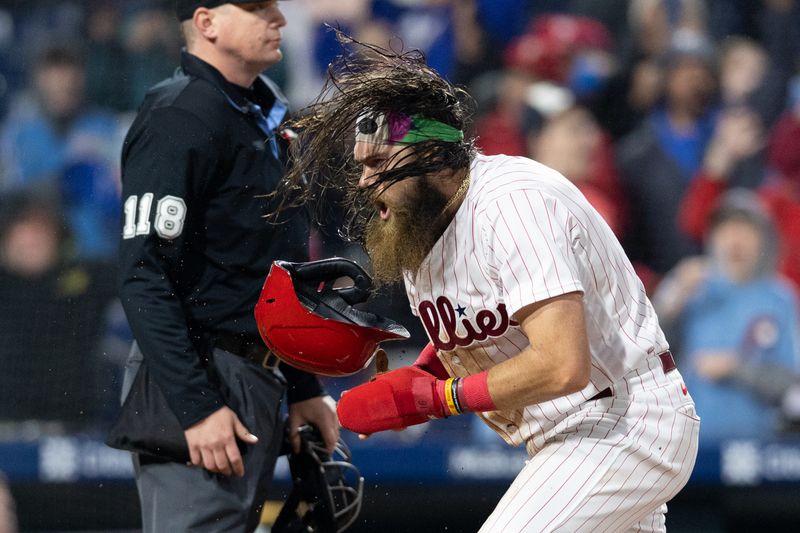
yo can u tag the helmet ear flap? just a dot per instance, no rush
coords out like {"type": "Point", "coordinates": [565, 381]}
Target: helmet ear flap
{"type": "Point", "coordinates": [327, 488]}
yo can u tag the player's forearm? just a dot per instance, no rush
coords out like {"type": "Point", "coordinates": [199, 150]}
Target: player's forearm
{"type": "Point", "coordinates": [535, 376]}
{"type": "Point", "coordinates": [410, 395]}
{"type": "Point", "coordinates": [556, 363]}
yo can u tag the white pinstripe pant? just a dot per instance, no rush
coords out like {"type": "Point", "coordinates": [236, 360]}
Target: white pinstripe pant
{"type": "Point", "coordinates": [610, 466]}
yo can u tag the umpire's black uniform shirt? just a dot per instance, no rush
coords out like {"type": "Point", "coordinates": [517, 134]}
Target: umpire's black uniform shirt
{"type": "Point", "coordinates": [196, 165]}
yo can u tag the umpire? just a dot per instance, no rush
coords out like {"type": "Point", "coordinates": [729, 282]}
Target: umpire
{"type": "Point", "coordinates": [198, 165]}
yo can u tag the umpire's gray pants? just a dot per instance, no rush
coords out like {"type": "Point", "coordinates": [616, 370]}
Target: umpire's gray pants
{"type": "Point", "coordinates": [176, 498]}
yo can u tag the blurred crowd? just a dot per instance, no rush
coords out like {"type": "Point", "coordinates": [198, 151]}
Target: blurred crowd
{"type": "Point", "coordinates": [678, 119]}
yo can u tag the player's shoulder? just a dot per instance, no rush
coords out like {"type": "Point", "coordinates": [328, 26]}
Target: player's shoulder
{"type": "Point", "coordinates": [501, 177]}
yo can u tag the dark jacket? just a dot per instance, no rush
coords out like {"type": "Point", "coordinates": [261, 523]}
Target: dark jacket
{"type": "Point", "coordinates": [198, 166]}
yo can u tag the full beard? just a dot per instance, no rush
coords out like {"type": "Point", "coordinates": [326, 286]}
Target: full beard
{"type": "Point", "coordinates": [403, 242]}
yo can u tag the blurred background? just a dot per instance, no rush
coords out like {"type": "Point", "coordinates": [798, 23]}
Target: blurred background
{"type": "Point", "coordinates": [678, 119]}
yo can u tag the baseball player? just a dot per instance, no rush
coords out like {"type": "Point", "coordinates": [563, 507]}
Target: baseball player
{"type": "Point", "coordinates": [536, 319]}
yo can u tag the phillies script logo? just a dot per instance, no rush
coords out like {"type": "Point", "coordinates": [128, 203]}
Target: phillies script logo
{"type": "Point", "coordinates": [442, 316]}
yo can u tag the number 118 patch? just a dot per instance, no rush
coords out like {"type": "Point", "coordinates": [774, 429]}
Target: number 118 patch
{"type": "Point", "coordinates": [169, 218]}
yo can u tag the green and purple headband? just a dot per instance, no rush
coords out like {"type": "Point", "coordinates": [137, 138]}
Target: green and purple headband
{"type": "Point", "coordinates": [398, 128]}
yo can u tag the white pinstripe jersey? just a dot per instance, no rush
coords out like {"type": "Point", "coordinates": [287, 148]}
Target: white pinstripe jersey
{"type": "Point", "coordinates": [524, 233]}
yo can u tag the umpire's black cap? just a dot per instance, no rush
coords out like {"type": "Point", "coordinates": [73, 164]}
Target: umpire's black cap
{"type": "Point", "coordinates": [185, 8]}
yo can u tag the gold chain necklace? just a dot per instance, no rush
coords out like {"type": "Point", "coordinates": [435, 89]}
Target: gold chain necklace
{"type": "Point", "coordinates": [458, 195]}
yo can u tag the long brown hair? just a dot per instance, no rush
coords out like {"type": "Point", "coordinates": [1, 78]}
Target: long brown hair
{"type": "Point", "coordinates": [370, 78]}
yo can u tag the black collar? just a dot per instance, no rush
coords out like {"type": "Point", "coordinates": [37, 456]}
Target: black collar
{"type": "Point", "coordinates": [263, 94]}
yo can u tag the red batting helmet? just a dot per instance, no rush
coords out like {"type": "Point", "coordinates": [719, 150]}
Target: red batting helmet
{"type": "Point", "coordinates": [312, 326]}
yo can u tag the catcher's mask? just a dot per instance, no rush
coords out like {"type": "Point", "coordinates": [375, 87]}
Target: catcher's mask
{"type": "Point", "coordinates": [327, 491]}
{"type": "Point", "coordinates": [314, 327]}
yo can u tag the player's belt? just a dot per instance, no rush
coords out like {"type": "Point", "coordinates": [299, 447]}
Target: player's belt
{"type": "Point", "coordinates": [667, 363]}
{"type": "Point", "coordinates": [250, 349]}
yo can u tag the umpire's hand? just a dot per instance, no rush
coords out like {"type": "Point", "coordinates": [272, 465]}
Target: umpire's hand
{"type": "Point", "coordinates": [212, 442]}
{"type": "Point", "coordinates": [319, 412]}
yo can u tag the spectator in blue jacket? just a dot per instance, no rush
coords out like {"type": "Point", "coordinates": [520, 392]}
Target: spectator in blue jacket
{"type": "Point", "coordinates": [55, 145]}
{"type": "Point", "coordinates": [735, 323]}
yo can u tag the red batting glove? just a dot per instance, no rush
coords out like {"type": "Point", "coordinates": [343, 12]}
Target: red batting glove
{"type": "Point", "coordinates": [394, 400]}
